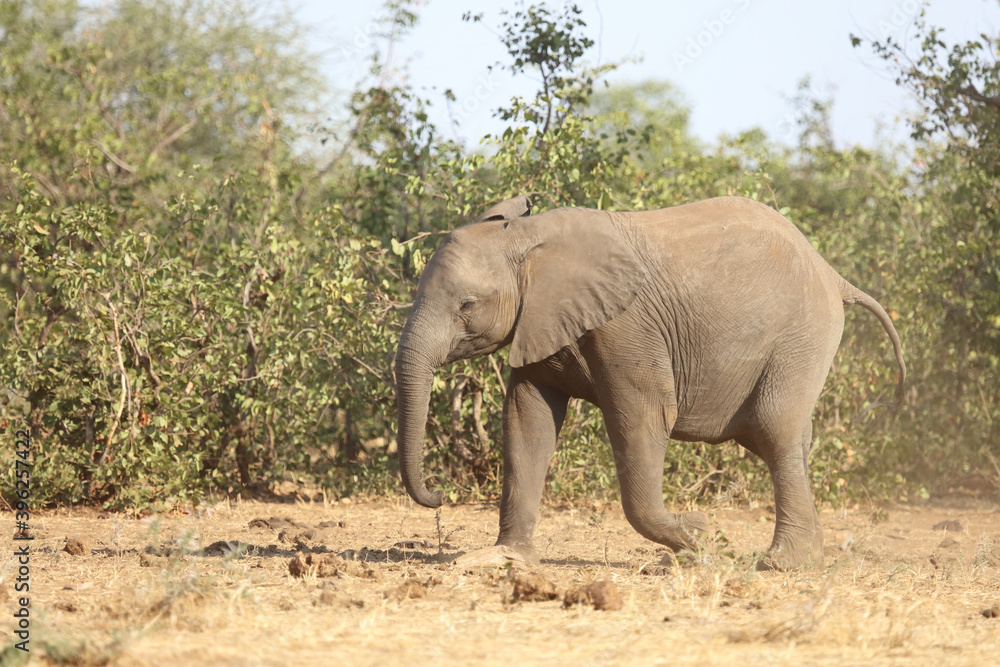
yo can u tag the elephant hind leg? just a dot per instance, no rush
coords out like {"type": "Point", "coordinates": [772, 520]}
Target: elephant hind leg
{"type": "Point", "coordinates": [798, 536]}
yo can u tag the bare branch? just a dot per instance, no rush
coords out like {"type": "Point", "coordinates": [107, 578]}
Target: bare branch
{"type": "Point", "coordinates": [496, 369]}
{"type": "Point", "coordinates": [457, 441]}
{"type": "Point", "coordinates": [174, 136]}
{"type": "Point", "coordinates": [114, 158]}
{"type": "Point", "coordinates": [696, 485]}
{"type": "Point", "coordinates": [125, 392]}
{"type": "Point", "coordinates": [971, 92]}
{"type": "Point", "coordinates": [477, 420]}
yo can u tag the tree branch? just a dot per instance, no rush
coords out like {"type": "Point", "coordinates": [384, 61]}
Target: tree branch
{"type": "Point", "coordinates": [173, 136]}
{"type": "Point", "coordinates": [457, 441]}
{"type": "Point", "coordinates": [114, 158]}
{"type": "Point", "coordinates": [477, 420]}
{"type": "Point", "coordinates": [496, 369]}
{"type": "Point", "coordinates": [971, 92]}
{"type": "Point", "coordinates": [125, 393]}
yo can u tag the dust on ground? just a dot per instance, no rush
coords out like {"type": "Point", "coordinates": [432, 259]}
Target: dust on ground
{"type": "Point", "coordinates": [249, 583]}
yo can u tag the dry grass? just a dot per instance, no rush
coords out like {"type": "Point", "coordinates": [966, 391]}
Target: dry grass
{"type": "Point", "coordinates": [894, 591]}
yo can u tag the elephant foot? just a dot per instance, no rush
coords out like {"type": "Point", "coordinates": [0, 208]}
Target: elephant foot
{"type": "Point", "coordinates": [783, 560]}
{"type": "Point", "coordinates": [525, 551]}
{"type": "Point", "coordinates": [684, 558]}
{"type": "Point", "coordinates": [500, 555]}
{"type": "Point", "coordinates": [695, 523]}
{"type": "Point", "coordinates": [683, 544]}
{"type": "Point", "coordinates": [677, 531]}
{"type": "Point", "coordinates": [692, 526]}
{"type": "Point", "coordinates": [789, 554]}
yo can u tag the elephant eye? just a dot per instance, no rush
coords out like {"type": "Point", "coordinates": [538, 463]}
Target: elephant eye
{"type": "Point", "coordinates": [467, 305]}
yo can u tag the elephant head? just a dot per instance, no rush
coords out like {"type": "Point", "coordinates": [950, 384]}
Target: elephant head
{"type": "Point", "coordinates": [535, 283]}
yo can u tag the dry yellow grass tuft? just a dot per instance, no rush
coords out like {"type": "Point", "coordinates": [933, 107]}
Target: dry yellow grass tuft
{"type": "Point", "coordinates": [371, 586]}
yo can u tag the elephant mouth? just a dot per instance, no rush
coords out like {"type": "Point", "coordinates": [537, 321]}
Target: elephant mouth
{"type": "Point", "coordinates": [465, 347]}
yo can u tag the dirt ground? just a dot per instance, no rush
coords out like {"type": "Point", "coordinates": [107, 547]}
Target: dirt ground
{"type": "Point", "coordinates": [903, 585]}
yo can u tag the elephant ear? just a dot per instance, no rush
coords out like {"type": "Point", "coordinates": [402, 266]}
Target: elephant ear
{"type": "Point", "coordinates": [517, 207]}
{"type": "Point", "coordinates": [579, 274]}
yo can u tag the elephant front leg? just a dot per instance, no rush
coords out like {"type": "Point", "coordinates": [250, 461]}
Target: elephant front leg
{"type": "Point", "coordinates": [533, 416]}
{"type": "Point", "coordinates": [639, 438]}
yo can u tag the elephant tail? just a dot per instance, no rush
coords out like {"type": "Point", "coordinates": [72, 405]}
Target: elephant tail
{"type": "Point", "coordinates": [851, 294]}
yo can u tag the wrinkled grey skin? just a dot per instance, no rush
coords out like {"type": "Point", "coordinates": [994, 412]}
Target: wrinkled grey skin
{"type": "Point", "coordinates": [711, 321]}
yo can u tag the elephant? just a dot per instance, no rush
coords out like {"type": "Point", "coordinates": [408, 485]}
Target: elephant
{"type": "Point", "coordinates": [706, 322]}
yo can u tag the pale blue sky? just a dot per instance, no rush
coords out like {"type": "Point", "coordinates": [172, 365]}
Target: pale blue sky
{"type": "Point", "coordinates": [737, 62]}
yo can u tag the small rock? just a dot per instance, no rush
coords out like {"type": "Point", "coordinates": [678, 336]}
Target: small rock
{"type": "Point", "coordinates": [223, 548]}
{"type": "Point", "coordinates": [655, 570]}
{"type": "Point", "coordinates": [329, 565]}
{"type": "Point", "coordinates": [414, 544]}
{"type": "Point", "coordinates": [154, 550]}
{"type": "Point", "coordinates": [333, 524]}
{"type": "Point", "coordinates": [948, 542]}
{"type": "Point", "coordinates": [992, 612]}
{"type": "Point", "coordinates": [150, 560]}
{"type": "Point", "coordinates": [298, 567]}
{"type": "Point", "coordinates": [953, 525]}
{"type": "Point", "coordinates": [325, 565]}
{"type": "Point", "coordinates": [289, 535]}
{"type": "Point", "coordinates": [77, 546]}
{"type": "Point", "coordinates": [603, 595]}
{"type": "Point", "coordinates": [303, 540]}
{"type": "Point", "coordinates": [530, 587]}
{"type": "Point", "coordinates": [277, 523]}
{"type": "Point", "coordinates": [409, 589]}
{"type": "Point", "coordinates": [327, 598]}
{"type": "Point", "coordinates": [362, 570]}
{"type": "Point", "coordinates": [846, 541]}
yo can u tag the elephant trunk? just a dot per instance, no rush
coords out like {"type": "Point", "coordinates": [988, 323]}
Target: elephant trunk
{"type": "Point", "coordinates": [414, 376]}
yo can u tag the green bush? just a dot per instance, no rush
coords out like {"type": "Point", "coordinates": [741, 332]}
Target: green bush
{"type": "Point", "coordinates": [149, 371]}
